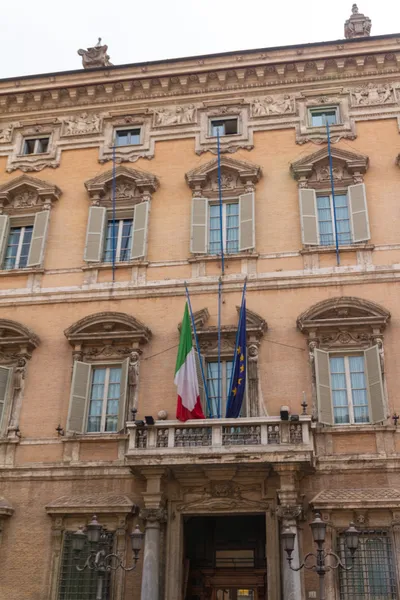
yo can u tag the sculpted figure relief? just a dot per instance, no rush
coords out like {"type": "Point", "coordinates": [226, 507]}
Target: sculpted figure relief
{"type": "Point", "coordinates": [174, 116]}
{"type": "Point", "coordinates": [5, 134]}
{"type": "Point", "coordinates": [95, 57]}
{"type": "Point", "coordinates": [82, 124]}
{"type": "Point", "coordinates": [372, 94]}
{"type": "Point", "coordinates": [272, 105]}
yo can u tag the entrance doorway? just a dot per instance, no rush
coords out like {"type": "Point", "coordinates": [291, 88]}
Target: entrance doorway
{"type": "Point", "coordinates": [225, 558]}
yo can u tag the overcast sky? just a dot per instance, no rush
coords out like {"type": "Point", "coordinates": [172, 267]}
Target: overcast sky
{"type": "Point", "coordinates": [43, 36]}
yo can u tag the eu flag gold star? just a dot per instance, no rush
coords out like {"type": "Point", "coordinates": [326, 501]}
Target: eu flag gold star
{"type": "Point", "coordinates": [234, 391]}
{"type": "Point", "coordinates": [240, 380]}
{"type": "Point", "coordinates": [241, 357]}
{"type": "Point", "coordinates": [239, 350]}
{"type": "Point", "coordinates": [241, 368]}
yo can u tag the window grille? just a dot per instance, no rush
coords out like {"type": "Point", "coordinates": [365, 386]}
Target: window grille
{"type": "Point", "coordinates": [373, 576]}
{"type": "Point", "coordinates": [75, 585]}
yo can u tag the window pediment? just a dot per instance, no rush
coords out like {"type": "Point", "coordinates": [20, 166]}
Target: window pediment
{"type": "Point", "coordinates": [236, 176]}
{"type": "Point", "coordinates": [107, 335]}
{"type": "Point", "coordinates": [313, 170]}
{"type": "Point", "coordinates": [132, 186]}
{"type": "Point", "coordinates": [27, 192]}
{"type": "Point", "coordinates": [16, 339]}
{"type": "Point", "coordinates": [90, 504]}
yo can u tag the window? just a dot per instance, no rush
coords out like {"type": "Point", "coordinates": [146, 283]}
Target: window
{"type": "Point", "coordinates": [35, 145]}
{"type": "Point", "coordinates": [223, 127]}
{"type": "Point", "coordinates": [319, 117]}
{"type": "Point", "coordinates": [121, 236]}
{"type": "Point", "coordinates": [105, 392]}
{"type": "Point", "coordinates": [18, 246]}
{"type": "Point", "coordinates": [81, 585]}
{"type": "Point", "coordinates": [349, 389]}
{"type": "Point", "coordinates": [326, 220]}
{"type": "Point", "coordinates": [218, 402]}
{"type": "Point", "coordinates": [230, 228]}
{"type": "Point", "coordinates": [373, 576]}
{"type": "Point", "coordinates": [127, 137]}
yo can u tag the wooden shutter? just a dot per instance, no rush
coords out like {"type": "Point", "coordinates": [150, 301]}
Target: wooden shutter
{"type": "Point", "coordinates": [79, 397]}
{"type": "Point", "coordinates": [123, 395]}
{"type": "Point", "coordinates": [38, 241]}
{"type": "Point", "coordinates": [308, 216]}
{"type": "Point", "coordinates": [375, 386]}
{"type": "Point", "coordinates": [5, 378]}
{"type": "Point", "coordinates": [200, 381]}
{"type": "Point", "coordinates": [95, 234]}
{"type": "Point", "coordinates": [139, 230]}
{"type": "Point", "coordinates": [323, 381]}
{"type": "Point", "coordinates": [4, 232]}
{"type": "Point", "coordinates": [198, 238]}
{"type": "Point", "coordinates": [359, 213]}
{"type": "Point", "coordinates": [246, 222]}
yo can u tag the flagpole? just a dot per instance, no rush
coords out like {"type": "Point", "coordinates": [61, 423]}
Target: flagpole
{"type": "Point", "coordinates": [220, 204]}
{"type": "Point", "coordinates": [219, 346]}
{"type": "Point", "coordinates": [237, 335]}
{"type": "Point", "coordinates": [198, 350]}
{"type": "Point", "coordinates": [113, 213]}
{"type": "Point", "coordinates": [333, 192]}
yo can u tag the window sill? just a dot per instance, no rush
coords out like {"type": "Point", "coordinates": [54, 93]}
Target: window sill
{"type": "Point", "coordinates": [25, 271]}
{"type": "Point", "coordinates": [94, 437]}
{"type": "Point", "coordinates": [118, 265]}
{"type": "Point", "coordinates": [332, 249]}
{"type": "Point", "coordinates": [214, 257]}
{"type": "Point", "coordinates": [353, 428]}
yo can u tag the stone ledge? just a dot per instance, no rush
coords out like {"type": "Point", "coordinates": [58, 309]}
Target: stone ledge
{"type": "Point", "coordinates": [332, 249]}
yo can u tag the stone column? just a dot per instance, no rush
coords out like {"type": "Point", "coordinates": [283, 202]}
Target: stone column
{"type": "Point", "coordinates": [291, 580]}
{"type": "Point", "coordinates": [153, 518]}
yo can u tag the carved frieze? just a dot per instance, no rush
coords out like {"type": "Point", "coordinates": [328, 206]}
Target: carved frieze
{"type": "Point", "coordinates": [83, 124]}
{"type": "Point", "coordinates": [6, 131]}
{"type": "Point", "coordinates": [177, 115]}
{"type": "Point", "coordinates": [270, 106]}
{"type": "Point", "coordinates": [372, 94]}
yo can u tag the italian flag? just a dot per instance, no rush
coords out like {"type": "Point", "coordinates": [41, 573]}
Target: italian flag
{"type": "Point", "coordinates": [189, 406]}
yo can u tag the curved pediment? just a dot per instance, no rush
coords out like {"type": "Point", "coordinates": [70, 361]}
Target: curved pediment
{"type": "Point", "coordinates": [234, 174]}
{"type": "Point", "coordinates": [343, 311]}
{"type": "Point", "coordinates": [13, 334]}
{"type": "Point", "coordinates": [27, 192]}
{"type": "Point", "coordinates": [129, 184]}
{"type": "Point", "coordinates": [108, 327]}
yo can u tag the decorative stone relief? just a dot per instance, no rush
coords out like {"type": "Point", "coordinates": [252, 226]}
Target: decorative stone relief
{"type": "Point", "coordinates": [270, 106]}
{"type": "Point", "coordinates": [95, 57]}
{"type": "Point", "coordinates": [129, 153]}
{"type": "Point", "coordinates": [357, 498]}
{"type": "Point", "coordinates": [373, 94]}
{"type": "Point", "coordinates": [153, 515]}
{"type": "Point", "coordinates": [6, 131]}
{"type": "Point", "coordinates": [84, 124]}
{"type": "Point", "coordinates": [27, 192]}
{"type": "Point", "coordinates": [132, 186]}
{"type": "Point", "coordinates": [205, 142]}
{"type": "Point", "coordinates": [178, 115]}
{"type": "Point", "coordinates": [358, 25]}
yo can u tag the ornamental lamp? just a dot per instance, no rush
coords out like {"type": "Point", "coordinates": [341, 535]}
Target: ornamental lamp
{"type": "Point", "coordinates": [136, 540]}
{"type": "Point", "coordinates": [288, 537]}
{"type": "Point", "coordinates": [78, 540]}
{"type": "Point", "coordinates": [352, 536]}
{"type": "Point", "coordinates": [94, 531]}
{"type": "Point", "coordinates": [318, 528]}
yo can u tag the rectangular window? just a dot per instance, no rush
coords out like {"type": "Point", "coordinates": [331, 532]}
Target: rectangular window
{"type": "Point", "coordinates": [373, 576]}
{"type": "Point", "coordinates": [218, 400]}
{"type": "Point", "coordinates": [223, 127]}
{"type": "Point", "coordinates": [18, 246]}
{"type": "Point", "coordinates": [121, 238]}
{"type": "Point", "coordinates": [105, 391]}
{"type": "Point", "coordinates": [326, 220]}
{"type": "Point", "coordinates": [127, 137]}
{"type": "Point", "coordinates": [349, 389]}
{"type": "Point", "coordinates": [81, 585]}
{"type": "Point", "coordinates": [36, 145]}
{"type": "Point", "coordinates": [319, 117]}
{"type": "Point", "coordinates": [230, 228]}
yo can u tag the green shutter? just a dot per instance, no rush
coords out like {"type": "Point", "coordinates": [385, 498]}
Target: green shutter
{"type": "Point", "coordinates": [79, 397]}
{"type": "Point", "coordinates": [359, 213]}
{"type": "Point", "coordinates": [95, 234]}
{"type": "Point", "coordinates": [323, 381]}
{"type": "Point", "coordinates": [4, 232]}
{"type": "Point", "coordinates": [139, 230]}
{"type": "Point", "coordinates": [375, 386]}
{"type": "Point", "coordinates": [123, 395]}
{"type": "Point", "coordinates": [5, 379]}
{"type": "Point", "coordinates": [308, 216]}
{"type": "Point", "coordinates": [199, 226]}
{"type": "Point", "coordinates": [246, 222]}
{"type": "Point", "coordinates": [39, 234]}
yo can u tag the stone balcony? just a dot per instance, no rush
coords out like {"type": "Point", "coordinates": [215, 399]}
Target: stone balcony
{"type": "Point", "coordinates": [208, 441]}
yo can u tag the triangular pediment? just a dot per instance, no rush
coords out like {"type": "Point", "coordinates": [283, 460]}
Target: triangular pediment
{"type": "Point", "coordinates": [27, 190]}
{"type": "Point", "coordinates": [243, 171]}
{"type": "Point", "coordinates": [108, 327]}
{"type": "Point", "coordinates": [128, 181]}
{"type": "Point", "coordinates": [353, 162]}
{"type": "Point", "coordinates": [342, 311]}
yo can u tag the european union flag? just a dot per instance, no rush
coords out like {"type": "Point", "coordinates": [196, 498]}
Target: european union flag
{"type": "Point", "coordinates": [236, 394]}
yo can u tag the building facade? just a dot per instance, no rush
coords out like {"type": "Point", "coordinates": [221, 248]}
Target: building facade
{"type": "Point", "coordinates": [88, 351]}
